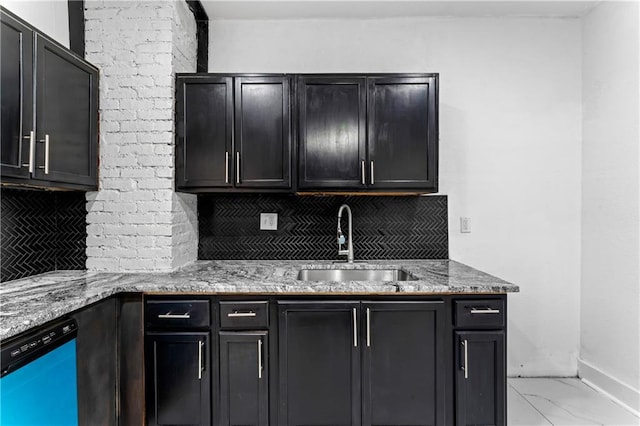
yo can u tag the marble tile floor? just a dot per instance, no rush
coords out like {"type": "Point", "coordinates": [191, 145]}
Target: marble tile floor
{"type": "Point", "coordinates": [562, 402]}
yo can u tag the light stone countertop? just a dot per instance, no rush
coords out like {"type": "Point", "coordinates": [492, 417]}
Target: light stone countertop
{"type": "Point", "coordinates": [33, 301]}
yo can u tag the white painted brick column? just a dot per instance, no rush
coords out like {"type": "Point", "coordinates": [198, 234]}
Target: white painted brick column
{"type": "Point", "coordinates": [136, 221]}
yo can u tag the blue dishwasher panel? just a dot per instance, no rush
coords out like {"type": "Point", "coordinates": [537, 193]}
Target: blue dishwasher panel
{"type": "Point", "coordinates": [42, 392]}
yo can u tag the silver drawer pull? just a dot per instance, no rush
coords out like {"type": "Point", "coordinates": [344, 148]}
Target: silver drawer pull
{"type": "Point", "coordinates": [236, 314]}
{"type": "Point", "coordinates": [238, 167]}
{"type": "Point", "coordinates": [484, 311]}
{"type": "Point", "coordinates": [368, 327]}
{"type": "Point", "coordinates": [259, 358]}
{"type": "Point", "coordinates": [226, 167]}
{"type": "Point", "coordinates": [200, 367]}
{"type": "Point", "coordinates": [355, 328]}
{"type": "Point", "coordinates": [169, 315]}
{"type": "Point", "coordinates": [465, 344]}
{"type": "Point", "coordinates": [46, 154]}
{"type": "Point", "coordinates": [32, 143]}
{"type": "Point", "coordinates": [373, 181]}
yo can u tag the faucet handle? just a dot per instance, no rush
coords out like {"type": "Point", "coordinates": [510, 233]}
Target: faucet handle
{"type": "Point", "coordinates": [341, 239]}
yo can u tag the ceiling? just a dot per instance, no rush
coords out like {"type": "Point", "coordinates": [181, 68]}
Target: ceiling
{"type": "Point", "coordinates": [370, 9]}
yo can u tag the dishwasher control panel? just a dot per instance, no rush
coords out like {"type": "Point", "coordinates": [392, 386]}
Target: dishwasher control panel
{"type": "Point", "coordinates": [22, 349]}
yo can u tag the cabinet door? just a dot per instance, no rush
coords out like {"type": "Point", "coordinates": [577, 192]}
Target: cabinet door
{"type": "Point", "coordinates": [480, 378]}
{"type": "Point", "coordinates": [178, 379]}
{"type": "Point", "coordinates": [67, 116]}
{"type": "Point", "coordinates": [403, 133]}
{"type": "Point", "coordinates": [244, 378]}
{"type": "Point", "coordinates": [16, 122]}
{"type": "Point", "coordinates": [204, 136]}
{"type": "Point", "coordinates": [319, 363]}
{"type": "Point", "coordinates": [332, 132]}
{"type": "Point", "coordinates": [404, 366]}
{"type": "Point", "coordinates": [262, 132]}
{"type": "Point", "coordinates": [96, 347]}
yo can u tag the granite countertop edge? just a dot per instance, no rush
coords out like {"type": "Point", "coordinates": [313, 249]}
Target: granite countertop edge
{"type": "Point", "coordinates": [36, 300]}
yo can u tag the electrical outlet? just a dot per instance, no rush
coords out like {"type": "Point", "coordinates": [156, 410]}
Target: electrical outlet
{"type": "Point", "coordinates": [465, 225]}
{"type": "Point", "coordinates": [268, 221]}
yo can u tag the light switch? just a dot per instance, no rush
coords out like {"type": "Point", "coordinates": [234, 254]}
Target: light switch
{"type": "Point", "coordinates": [268, 221]}
{"type": "Point", "coordinates": [465, 225]}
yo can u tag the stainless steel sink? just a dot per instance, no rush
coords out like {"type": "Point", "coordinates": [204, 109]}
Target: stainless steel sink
{"type": "Point", "coordinates": [354, 275]}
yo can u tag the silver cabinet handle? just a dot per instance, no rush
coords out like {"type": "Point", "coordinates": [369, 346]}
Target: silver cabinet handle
{"type": "Point", "coordinates": [46, 154]}
{"type": "Point", "coordinates": [260, 358]}
{"type": "Point", "coordinates": [200, 345]}
{"type": "Point", "coordinates": [466, 359]}
{"type": "Point", "coordinates": [372, 174]}
{"type": "Point", "coordinates": [355, 328]}
{"type": "Point", "coordinates": [363, 173]}
{"type": "Point", "coordinates": [226, 167]}
{"type": "Point", "coordinates": [368, 327]}
{"type": "Point", "coordinates": [169, 315]}
{"type": "Point", "coordinates": [32, 147]}
{"type": "Point", "coordinates": [236, 314]}
{"type": "Point", "coordinates": [484, 311]}
{"type": "Point", "coordinates": [237, 167]}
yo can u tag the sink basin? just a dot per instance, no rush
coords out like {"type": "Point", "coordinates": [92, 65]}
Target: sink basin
{"type": "Point", "coordinates": [354, 275]}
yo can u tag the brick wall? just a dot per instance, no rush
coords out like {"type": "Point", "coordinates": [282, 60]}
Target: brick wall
{"type": "Point", "coordinates": [136, 221]}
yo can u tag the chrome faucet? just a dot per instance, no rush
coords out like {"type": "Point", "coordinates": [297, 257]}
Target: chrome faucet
{"type": "Point", "coordinates": [349, 251]}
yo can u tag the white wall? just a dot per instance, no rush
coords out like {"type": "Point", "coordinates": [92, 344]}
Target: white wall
{"type": "Point", "coordinates": [510, 131]}
{"type": "Point", "coordinates": [610, 324]}
{"type": "Point", "coordinates": [50, 17]}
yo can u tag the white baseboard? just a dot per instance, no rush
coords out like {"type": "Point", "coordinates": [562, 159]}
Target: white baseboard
{"type": "Point", "coordinates": [618, 391]}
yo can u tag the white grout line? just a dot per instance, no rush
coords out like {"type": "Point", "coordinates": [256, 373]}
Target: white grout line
{"type": "Point", "coordinates": [529, 402]}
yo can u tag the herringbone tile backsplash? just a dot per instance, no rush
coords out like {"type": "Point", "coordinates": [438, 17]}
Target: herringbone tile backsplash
{"type": "Point", "coordinates": [41, 231]}
{"type": "Point", "coordinates": [383, 227]}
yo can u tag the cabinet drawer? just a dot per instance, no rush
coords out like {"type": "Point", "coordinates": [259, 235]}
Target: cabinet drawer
{"type": "Point", "coordinates": [479, 313]}
{"type": "Point", "coordinates": [177, 313]}
{"type": "Point", "coordinates": [244, 315]}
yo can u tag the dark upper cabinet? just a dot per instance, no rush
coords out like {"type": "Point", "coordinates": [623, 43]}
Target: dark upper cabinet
{"type": "Point", "coordinates": [178, 382]}
{"type": "Point", "coordinates": [262, 132]}
{"type": "Point", "coordinates": [348, 132]}
{"type": "Point", "coordinates": [67, 116]}
{"type": "Point", "coordinates": [331, 132]}
{"type": "Point", "coordinates": [16, 48]}
{"type": "Point", "coordinates": [480, 378]}
{"type": "Point", "coordinates": [204, 131]}
{"type": "Point", "coordinates": [368, 133]}
{"type": "Point", "coordinates": [319, 363]}
{"type": "Point", "coordinates": [59, 149]}
{"type": "Point", "coordinates": [244, 378]}
{"type": "Point", "coordinates": [402, 133]}
{"type": "Point", "coordinates": [232, 132]}
{"type": "Point", "coordinates": [403, 363]}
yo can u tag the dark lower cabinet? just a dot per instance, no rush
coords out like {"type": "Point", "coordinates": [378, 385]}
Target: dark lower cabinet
{"type": "Point", "coordinates": [418, 361]}
{"type": "Point", "coordinates": [404, 367]}
{"type": "Point", "coordinates": [178, 378]}
{"type": "Point", "coordinates": [244, 378]}
{"type": "Point", "coordinates": [97, 363]}
{"type": "Point", "coordinates": [319, 363]}
{"type": "Point", "coordinates": [480, 378]}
